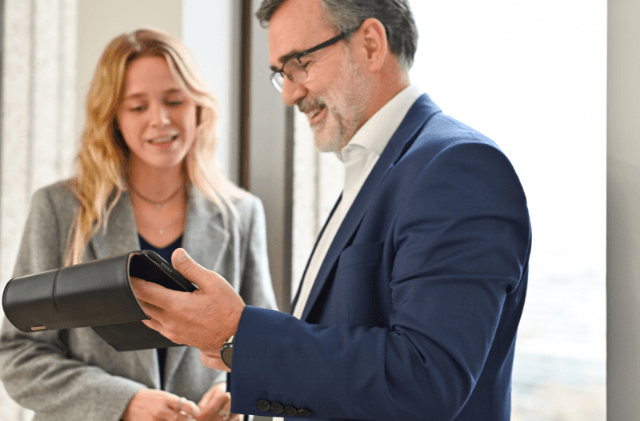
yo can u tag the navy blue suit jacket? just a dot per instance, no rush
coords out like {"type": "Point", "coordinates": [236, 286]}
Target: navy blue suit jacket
{"type": "Point", "coordinates": [414, 312]}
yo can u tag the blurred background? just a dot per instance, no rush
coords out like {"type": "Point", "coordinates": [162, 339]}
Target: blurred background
{"type": "Point", "coordinates": [553, 82]}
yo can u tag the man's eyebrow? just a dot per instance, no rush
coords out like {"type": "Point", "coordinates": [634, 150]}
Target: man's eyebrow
{"type": "Point", "coordinates": [283, 59]}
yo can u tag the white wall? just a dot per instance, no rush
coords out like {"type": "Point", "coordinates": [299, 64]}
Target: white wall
{"type": "Point", "coordinates": [212, 31]}
{"type": "Point", "coordinates": [531, 75]}
{"type": "Point", "coordinates": [623, 211]}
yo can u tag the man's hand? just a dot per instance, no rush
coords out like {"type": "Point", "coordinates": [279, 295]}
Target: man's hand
{"type": "Point", "coordinates": [213, 360]}
{"type": "Point", "coordinates": [203, 319]}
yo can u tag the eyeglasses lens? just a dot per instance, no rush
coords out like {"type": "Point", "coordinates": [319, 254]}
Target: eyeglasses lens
{"type": "Point", "coordinates": [277, 80]}
{"type": "Point", "coordinates": [292, 70]}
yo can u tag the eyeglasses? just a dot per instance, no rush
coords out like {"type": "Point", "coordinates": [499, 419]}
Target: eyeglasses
{"type": "Point", "coordinates": [295, 70]}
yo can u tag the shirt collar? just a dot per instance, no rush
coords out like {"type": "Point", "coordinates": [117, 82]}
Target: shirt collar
{"type": "Point", "coordinates": [377, 131]}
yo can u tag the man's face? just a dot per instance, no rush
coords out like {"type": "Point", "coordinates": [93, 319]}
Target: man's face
{"type": "Point", "coordinates": [334, 95]}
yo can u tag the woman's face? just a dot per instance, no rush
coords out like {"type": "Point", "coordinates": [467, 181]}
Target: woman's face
{"type": "Point", "coordinates": [157, 119]}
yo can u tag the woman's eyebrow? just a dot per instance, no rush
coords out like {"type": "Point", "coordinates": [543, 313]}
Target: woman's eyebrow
{"type": "Point", "coordinates": [135, 95]}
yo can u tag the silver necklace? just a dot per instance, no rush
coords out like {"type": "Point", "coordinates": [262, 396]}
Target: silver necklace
{"type": "Point", "coordinates": [157, 203]}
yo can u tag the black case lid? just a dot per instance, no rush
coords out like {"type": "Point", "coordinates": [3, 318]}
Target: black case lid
{"type": "Point", "coordinates": [96, 294]}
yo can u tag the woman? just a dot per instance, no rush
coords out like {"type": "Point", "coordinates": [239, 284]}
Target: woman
{"type": "Point", "coordinates": [145, 179]}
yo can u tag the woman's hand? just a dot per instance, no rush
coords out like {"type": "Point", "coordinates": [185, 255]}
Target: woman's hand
{"type": "Point", "coordinates": [216, 404]}
{"type": "Point", "coordinates": [157, 405]}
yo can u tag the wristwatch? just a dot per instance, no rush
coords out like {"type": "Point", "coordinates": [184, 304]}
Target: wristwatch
{"type": "Point", "coordinates": [226, 352]}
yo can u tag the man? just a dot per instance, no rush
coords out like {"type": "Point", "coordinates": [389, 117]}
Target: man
{"type": "Point", "coordinates": [410, 303]}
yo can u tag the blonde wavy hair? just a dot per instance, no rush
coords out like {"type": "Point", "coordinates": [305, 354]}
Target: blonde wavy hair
{"type": "Point", "coordinates": [101, 163]}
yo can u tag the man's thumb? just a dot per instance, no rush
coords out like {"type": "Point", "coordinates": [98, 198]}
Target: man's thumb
{"type": "Point", "coordinates": [184, 264]}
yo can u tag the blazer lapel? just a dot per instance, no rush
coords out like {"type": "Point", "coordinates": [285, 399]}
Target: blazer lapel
{"type": "Point", "coordinates": [121, 234]}
{"type": "Point", "coordinates": [120, 237]}
{"type": "Point", "coordinates": [204, 235]}
{"type": "Point", "coordinates": [416, 117]}
{"type": "Point", "coordinates": [205, 239]}
{"type": "Point", "coordinates": [174, 358]}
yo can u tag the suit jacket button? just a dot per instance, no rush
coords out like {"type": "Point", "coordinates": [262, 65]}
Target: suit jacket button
{"type": "Point", "coordinates": [290, 411]}
{"type": "Point", "coordinates": [277, 407]}
{"type": "Point", "coordinates": [303, 413]}
{"type": "Point", "coordinates": [264, 405]}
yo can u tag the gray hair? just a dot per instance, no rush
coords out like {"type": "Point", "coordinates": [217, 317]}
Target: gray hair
{"type": "Point", "coordinates": [346, 15]}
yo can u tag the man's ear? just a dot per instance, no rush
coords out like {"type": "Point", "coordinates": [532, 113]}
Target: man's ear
{"type": "Point", "coordinates": [376, 47]}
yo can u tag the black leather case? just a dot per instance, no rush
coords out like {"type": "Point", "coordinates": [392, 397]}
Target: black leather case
{"type": "Point", "coordinates": [96, 294]}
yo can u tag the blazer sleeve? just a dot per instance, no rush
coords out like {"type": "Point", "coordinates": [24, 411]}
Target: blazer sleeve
{"type": "Point", "coordinates": [458, 246]}
{"type": "Point", "coordinates": [256, 288]}
{"type": "Point", "coordinates": [36, 368]}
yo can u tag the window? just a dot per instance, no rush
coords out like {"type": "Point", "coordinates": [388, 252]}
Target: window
{"type": "Point", "coordinates": [531, 75]}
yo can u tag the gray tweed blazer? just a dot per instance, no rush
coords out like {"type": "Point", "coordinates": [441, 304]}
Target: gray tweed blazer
{"type": "Point", "coordinates": [68, 375]}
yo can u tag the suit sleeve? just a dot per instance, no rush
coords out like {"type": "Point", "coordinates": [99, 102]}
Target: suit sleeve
{"type": "Point", "coordinates": [256, 288]}
{"type": "Point", "coordinates": [457, 248]}
{"type": "Point", "coordinates": [36, 368]}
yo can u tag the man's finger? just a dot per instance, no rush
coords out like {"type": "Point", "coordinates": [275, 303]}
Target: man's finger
{"type": "Point", "coordinates": [150, 310]}
{"type": "Point", "coordinates": [155, 325]}
{"type": "Point", "coordinates": [153, 294]}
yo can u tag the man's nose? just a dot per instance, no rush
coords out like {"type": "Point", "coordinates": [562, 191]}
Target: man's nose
{"type": "Point", "coordinates": [292, 92]}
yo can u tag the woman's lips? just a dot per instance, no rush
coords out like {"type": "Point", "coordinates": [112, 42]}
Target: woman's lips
{"type": "Point", "coordinates": [164, 142]}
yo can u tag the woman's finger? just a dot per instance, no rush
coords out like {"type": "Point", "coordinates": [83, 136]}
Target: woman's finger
{"type": "Point", "coordinates": [214, 402]}
{"type": "Point", "coordinates": [185, 408]}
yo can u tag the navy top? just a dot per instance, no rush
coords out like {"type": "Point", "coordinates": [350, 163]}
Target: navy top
{"type": "Point", "coordinates": [165, 253]}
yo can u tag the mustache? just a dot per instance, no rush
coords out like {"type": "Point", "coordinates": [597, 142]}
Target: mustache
{"type": "Point", "coordinates": [305, 104]}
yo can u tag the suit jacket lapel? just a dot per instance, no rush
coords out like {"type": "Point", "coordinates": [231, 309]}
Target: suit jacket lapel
{"type": "Point", "coordinates": [416, 117]}
{"type": "Point", "coordinates": [295, 300]}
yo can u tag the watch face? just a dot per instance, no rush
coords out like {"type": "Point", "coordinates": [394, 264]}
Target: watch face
{"type": "Point", "coordinates": [227, 354]}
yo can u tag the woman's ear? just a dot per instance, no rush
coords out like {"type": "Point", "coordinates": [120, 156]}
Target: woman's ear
{"type": "Point", "coordinates": [376, 47]}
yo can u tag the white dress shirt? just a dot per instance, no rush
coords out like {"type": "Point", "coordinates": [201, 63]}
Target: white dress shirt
{"type": "Point", "coordinates": [359, 157]}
